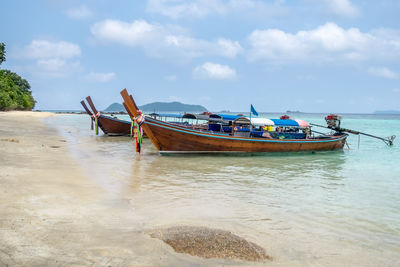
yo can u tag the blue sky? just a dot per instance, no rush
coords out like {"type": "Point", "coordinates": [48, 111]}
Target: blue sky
{"type": "Point", "coordinates": [307, 55]}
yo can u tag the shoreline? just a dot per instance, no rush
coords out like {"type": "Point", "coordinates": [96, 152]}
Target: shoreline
{"type": "Point", "coordinates": [53, 213]}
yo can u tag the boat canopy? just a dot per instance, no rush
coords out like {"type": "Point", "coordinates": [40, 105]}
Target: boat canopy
{"type": "Point", "coordinates": [229, 117]}
{"type": "Point", "coordinates": [254, 121]}
{"type": "Point", "coordinates": [279, 122]}
{"type": "Point", "coordinates": [195, 116]}
{"type": "Point", "coordinates": [270, 122]}
{"type": "Point", "coordinates": [261, 122]}
{"type": "Point", "coordinates": [236, 119]}
{"type": "Point", "coordinates": [189, 116]}
{"type": "Point", "coordinates": [302, 123]}
{"type": "Point", "coordinates": [215, 118]}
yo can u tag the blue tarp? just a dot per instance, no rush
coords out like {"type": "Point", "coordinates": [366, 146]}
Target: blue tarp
{"type": "Point", "coordinates": [279, 122]}
{"type": "Point", "coordinates": [229, 117]}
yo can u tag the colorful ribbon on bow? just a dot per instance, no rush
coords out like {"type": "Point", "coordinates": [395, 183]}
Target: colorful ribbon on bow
{"type": "Point", "coordinates": [138, 137]}
{"type": "Point", "coordinates": [138, 131]}
{"type": "Point", "coordinates": [91, 122]}
{"type": "Point", "coordinates": [95, 119]}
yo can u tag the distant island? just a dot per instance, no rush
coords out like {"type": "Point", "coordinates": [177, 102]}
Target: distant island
{"type": "Point", "coordinates": [160, 106]}
{"type": "Point", "coordinates": [388, 112]}
{"type": "Point", "coordinates": [115, 107]}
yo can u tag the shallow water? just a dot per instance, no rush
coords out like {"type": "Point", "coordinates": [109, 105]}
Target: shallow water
{"type": "Point", "coordinates": [301, 207]}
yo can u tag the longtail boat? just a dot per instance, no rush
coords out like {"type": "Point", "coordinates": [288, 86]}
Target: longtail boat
{"type": "Point", "coordinates": [108, 124]}
{"type": "Point", "coordinates": [172, 138]}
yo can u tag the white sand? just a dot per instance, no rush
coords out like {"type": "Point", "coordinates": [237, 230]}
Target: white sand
{"type": "Point", "coordinates": [52, 214]}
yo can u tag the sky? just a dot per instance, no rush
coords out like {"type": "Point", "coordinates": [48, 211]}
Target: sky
{"type": "Point", "coordinates": [309, 55]}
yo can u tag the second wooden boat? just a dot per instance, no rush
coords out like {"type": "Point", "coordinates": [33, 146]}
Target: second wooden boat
{"type": "Point", "coordinates": [108, 124]}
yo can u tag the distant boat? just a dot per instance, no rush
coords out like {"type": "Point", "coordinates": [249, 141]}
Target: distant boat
{"type": "Point", "coordinates": [172, 138]}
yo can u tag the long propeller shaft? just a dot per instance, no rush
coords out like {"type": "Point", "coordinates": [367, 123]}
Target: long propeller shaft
{"type": "Point", "coordinates": [388, 140]}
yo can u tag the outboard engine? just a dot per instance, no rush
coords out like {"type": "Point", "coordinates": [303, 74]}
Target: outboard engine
{"type": "Point", "coordinates": [333, 121]}
{"type": "Point", "coordinates": [285, 117]}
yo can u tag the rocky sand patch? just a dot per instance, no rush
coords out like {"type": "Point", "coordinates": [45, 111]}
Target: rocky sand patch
{"type": "Point", "coordinates": [210, 243]}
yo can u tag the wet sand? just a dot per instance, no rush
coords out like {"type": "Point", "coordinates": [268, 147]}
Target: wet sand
{"type": "Point", "coordinates": [52, 213]}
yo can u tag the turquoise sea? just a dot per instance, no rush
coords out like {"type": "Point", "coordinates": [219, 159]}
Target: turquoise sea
{"type": "Point", "coordinates": [324, 209]}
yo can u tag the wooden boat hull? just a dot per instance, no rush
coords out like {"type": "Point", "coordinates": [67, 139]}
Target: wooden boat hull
{"type": "Point", "coordinates": [108, 124]}
{"type": "Point", "coordinates": [171, 138]}
{"type": "Point", "coordinates": [114, 126]}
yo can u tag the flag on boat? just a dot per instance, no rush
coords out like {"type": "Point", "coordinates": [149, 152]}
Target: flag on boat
{"type": "Point", "coordinates": [253, 110]}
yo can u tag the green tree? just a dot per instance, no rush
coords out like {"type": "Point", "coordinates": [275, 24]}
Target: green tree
{"type": "Point", "coordinates": [2, 53]}
{"type": "Point", "coordinates": [15, 92]}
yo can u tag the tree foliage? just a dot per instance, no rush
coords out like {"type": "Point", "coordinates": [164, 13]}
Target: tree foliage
{"type": "Point", "coordinates": [15, 92]}
{"type": "Point", "coordinates": [2, 53]}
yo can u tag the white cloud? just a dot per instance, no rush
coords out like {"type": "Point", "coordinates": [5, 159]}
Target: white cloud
{"type": "Point", "coordinates": [136, 33]}
{"type": "Point", "coordinates": [396, 90]}
{"type": "Point", "coordinates": [54, 64]}
{"type": "Point", "coordinates": [100, 77]}
{"type": "Point", "coordinates": [214, 71]}
{"type": "Point", "coordinates": [39, 49]}
{"type": "Point", "coordinates": [162, 41]}
{"type": "Point", "coordinates": [81, 12]}
{"type": "Point", "coordinates": [229, 48]}
{"type": "Point", "coordinates": [342, 8]}
{"type": "Point", "coordinates": [328, 42]}
{"type": "Point", "coordinates": [383, 72]}
{"type": "Point", "coordinates": [52, 59]}
{"type": "Point", "coordinates": [170, 78]}
{"type": "Point", "coordinates": [177, 9]}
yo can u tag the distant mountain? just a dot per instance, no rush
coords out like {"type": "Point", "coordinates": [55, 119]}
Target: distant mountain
{"type": "Point", "coordinates": [160, 106]}
{"type": "Point", "coordinates": [392, 112]}
{"type": "Point", "coordinates": [115, 107]}
{"type": "Point", "coordinates": [171, 106]}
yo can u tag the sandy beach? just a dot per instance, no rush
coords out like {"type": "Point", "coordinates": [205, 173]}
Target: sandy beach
{"type": "Point", "coordinates": [52, 213]}
{"type": "Point", "coordinates": [71, 198]}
